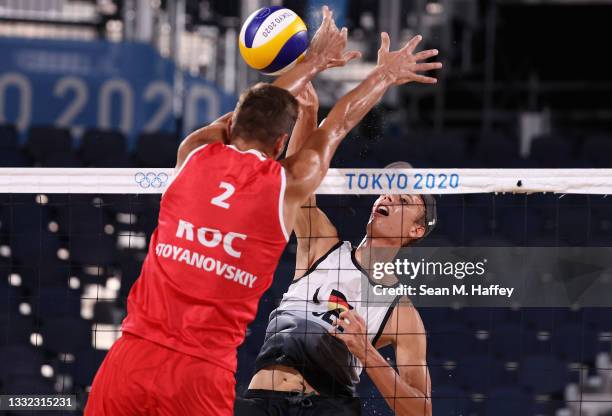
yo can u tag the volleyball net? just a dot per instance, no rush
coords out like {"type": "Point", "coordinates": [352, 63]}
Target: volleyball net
{"type": "Point", "coordinates": [72, 242]}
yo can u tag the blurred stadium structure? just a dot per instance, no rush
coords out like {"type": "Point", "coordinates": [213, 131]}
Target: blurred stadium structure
{"type": "Point", "coordinates": [523, 86]}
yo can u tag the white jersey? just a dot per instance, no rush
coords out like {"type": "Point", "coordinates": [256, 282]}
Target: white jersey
{"type": "Point", "coordinates": [334, 283]}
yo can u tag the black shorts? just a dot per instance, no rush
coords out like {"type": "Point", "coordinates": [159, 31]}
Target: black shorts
{"type": "Point", "coordinates": [280, 403]}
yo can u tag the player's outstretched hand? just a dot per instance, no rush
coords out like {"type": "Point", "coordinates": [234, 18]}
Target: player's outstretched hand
{"type": "Point", "coordinates": [328, 44]}
{"type": "Point", "coordinates": [402, 65]}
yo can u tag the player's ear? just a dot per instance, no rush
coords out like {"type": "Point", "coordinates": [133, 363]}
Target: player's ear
{"type": "Point", "coordinates": [229, 127]}
{"type": "Point", "coordinates": [417, 230]}
{"type": "Point", "coordinates": [420, 231]}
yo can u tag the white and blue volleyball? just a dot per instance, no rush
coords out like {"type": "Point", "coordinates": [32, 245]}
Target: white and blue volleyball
{"type": "Point", "coordinates": [273, 39]}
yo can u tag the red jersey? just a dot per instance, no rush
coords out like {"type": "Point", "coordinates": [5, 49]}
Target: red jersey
{"type": "Point", "coordinates": [219, 237]}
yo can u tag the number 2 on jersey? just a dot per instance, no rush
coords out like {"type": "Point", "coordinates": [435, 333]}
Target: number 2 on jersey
{"type": "Point", "coordinates": [220, 200]}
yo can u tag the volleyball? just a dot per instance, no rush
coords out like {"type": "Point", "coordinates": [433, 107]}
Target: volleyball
{"type": "Point", "coordinates": [273, 39]}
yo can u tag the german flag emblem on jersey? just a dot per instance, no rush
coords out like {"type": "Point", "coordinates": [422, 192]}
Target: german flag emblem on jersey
{"type": "Point", "coordinates": [337, 300]}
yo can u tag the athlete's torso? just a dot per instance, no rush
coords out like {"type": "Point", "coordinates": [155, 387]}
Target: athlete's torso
{"type": "Point", "coordinates": [219, 237]}
{"type": "Point", "coordinates": [298, 327]}
{"type": "Point", "coordinates": [335, 283]}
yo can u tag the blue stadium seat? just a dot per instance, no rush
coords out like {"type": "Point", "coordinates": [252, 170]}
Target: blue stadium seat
{"type": "Point", "coordinates": [511, 341]}
{"type": "Point", "coordinates": [10, 158]}
{"type": "Point", "coordinates": [543, 374]}
{"type": "Point", "coordinates": [45, 273]}
{"type": "Point", "coordinates": [15, 328]}
{"type": "Point", "coordinates": [481, 318]}
{"type": "Point", "coordinates": [99, 147]}
{"type": "Point", "coordinates": [456, 334]}
{"type": "Point", "coordinates": [574, 343]}
{"type": "Point", "coordinates": [508, 401]}
{"type": "Point", "coordinates": [597, 150]}
{"type": "Point", "coordinates": [476, 224]}
{"type": "Point", "coordinates": [548, 319]}
{"type": "Point", "coordinates": [61, 160]}
{"type": "Point", "coordinates": [8, 295]}
{"type": "Point", "coordinates": [352, 153]}
{"type": "Point", "coordinates": [43, 141]}
{"type": "Point", "coordinates": [552, 152]}
{"type": "Point", "coordinates": [82, 218]}
{"type": "Point", "coordinates": [23, 215]}
{"type": "Point", "coordinates": [479, 374]}
{"type": "Point", "coordinates": [139, 205]}
{"type": "Point", "coordinates": [372, 402]}
{"type": "Point", "coordinates": [87, 362]}
{"type": "Point", "coordinates": [19, 360]}
{"type": "Point", "coordinates": [438, 373]}
{"type": "Point", "coordinates": [601, 220]}
{"type": "Point", "coordinates": [282, 277]}
{"type": "Point", "coordinates": [66, 335]}
{"type": "Point", "coordinates": [518, 224]}
{"type": "Point", "coordinates": [498, 150]}
{"type": "Point", "coordinates": [408, 149]}
{"type": "Point", "coordinates": [55, 302]}
{"type": "Point", "coordinates": [599, 319]}
{"type": "Point", "coordinates": [129, 269]}
{"type": "Point", "coordinates": [449, 400]}
{"type": "Point", "coordinates": [95, 250]}
{"type": "Point", "coordinates": [446, 150]}
{"type": "Point", "coordinates": [573, 219]}
{"type": "Point", "coordinates": [432, 317]}
{"type": "Point", "coordinates": [33, 248]}
{"type": "Point", "coordinates": [30, 384]}
{"type": "Point", "coordinates": [157, 150]}
{"type": "Point", "coordinates": [9, 138]}
{"type": "Point", "coordinates": [10, 155]}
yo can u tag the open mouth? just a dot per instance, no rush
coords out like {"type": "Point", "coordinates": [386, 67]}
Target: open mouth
{"type": "Point", "coordinates": [382, 210]}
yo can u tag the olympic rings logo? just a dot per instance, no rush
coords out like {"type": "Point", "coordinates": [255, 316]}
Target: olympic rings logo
{"type": "Point", "coordinates": [151, 179]}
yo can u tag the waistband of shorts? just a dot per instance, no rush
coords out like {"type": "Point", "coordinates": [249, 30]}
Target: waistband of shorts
{"type": "Point", "coordinates": [275, 394]}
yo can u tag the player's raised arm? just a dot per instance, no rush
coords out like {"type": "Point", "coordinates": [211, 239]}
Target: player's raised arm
{"type": "Point", "coordinates": [326, 51]}
{"type": "Point", "coordinates": [314, 231]}
{"type": "Point", "coordinates": [307, 168]}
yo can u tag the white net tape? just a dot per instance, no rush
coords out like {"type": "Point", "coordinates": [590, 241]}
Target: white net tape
{"type": "Point", "coordinates": [337, 181]}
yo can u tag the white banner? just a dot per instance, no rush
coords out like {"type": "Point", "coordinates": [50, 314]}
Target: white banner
{"type": "Point", "coordinates": [337, 181]}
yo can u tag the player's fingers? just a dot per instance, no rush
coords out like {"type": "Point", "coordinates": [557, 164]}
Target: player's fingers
{"type": "Point", "coordinates": [342, 61]}
{"type": "Point", "coordinates": [335, 62]}
{"type": "Point", "coordinates": [428, 66]}
{"type": "Point", "coordinates": [384, 42]}
{"type": "Point", "coordinates": [421, 56]}
{"type": "Point", "coordinates": [348, 317]}
{"type": "Point", "coordinates": [326, 17]}
{"type": "Point", "coordinates": [349, 56]}
{"type": "Point", "coordinates": [344, 33]}
{"type": "Point", "coordinates": [412, 44]}
{"type": "Point", "coordinates": [422, 79]}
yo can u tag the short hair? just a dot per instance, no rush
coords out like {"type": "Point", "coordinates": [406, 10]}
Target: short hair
{"type": "Point", "coordinates": [264, 112]}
